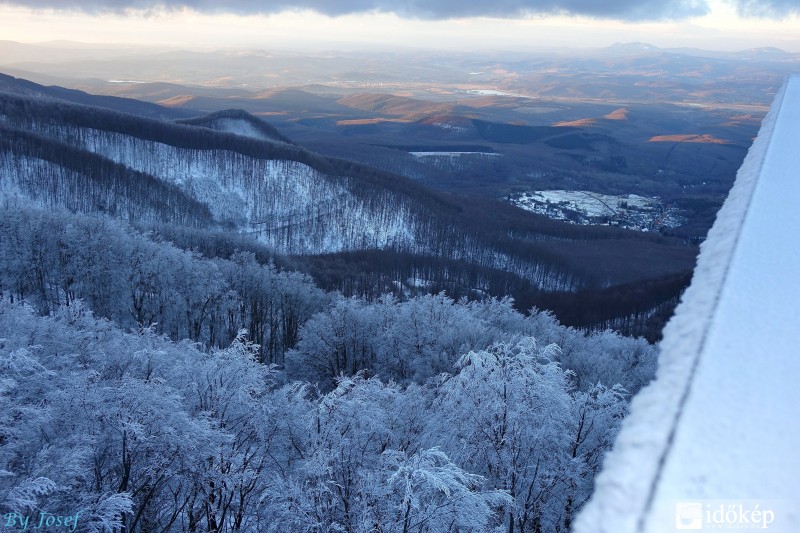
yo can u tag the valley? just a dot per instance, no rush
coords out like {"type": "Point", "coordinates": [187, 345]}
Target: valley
{"type": "Point", "coordinates": [399, 149]}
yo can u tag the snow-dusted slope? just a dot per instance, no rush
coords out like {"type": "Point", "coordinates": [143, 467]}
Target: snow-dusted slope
{"type": "Point", "coordinates": [294, 200]}
{"type": "Point", "coordinates": [287, 204]}
{"type": "Point", "coordinates": [258, 189]}
{"type": "Point", "coordinates": [238, 122]}
{"type": "Point", "coordinates": [713, 442]}
{"type": "Point", "coordinates": [238, 127]}
{"type": "Point", "coordinates": [43, 172]}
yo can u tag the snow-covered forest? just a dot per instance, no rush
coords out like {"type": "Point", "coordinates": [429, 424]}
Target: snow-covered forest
{"type": "Point", "coordinates": [355, 229]}
{"type": "Point", "coordinates": [163, 367]}
{"type": "Point", "coordinates": [289, 199]}
{"type": "Point", "coordinates": [153, 389]}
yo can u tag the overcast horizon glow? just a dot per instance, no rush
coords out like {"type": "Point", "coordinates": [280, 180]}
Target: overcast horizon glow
{"type": "Point", "coordinates": [722, 27]}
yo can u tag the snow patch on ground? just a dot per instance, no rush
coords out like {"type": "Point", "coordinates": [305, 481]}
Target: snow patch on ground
{"type": "Point", "coordinates": [239, 127]}
{"type": "Point", "coordinates": [584, 207]}
{"type": "Point", "coordinates": [449, 126]}
{"type": "Point", "coordinates": [452, 154]}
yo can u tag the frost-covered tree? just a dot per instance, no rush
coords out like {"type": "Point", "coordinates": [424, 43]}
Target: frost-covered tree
{"type": "Point", "coordinates": [515, 416]}
{"type": "Point", "coordinates": [427, 492]}
{"type": "Point", "coordinates": [335, 486]}
{"type": "Point", "coordinates": [340, 341]}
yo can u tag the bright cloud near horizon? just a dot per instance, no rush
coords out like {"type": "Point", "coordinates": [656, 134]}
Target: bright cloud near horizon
{"type": "Point", "coordinates": [445, 24]}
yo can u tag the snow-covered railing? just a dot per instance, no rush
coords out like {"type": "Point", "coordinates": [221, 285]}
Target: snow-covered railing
{"type": "Point", "coordinates": [714, 441]}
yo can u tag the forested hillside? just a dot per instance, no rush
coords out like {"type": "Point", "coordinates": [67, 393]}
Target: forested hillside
{"type": "Point", "coordinates": [288, 198]}
{"type": "Point", "coordinates": [229, 171]}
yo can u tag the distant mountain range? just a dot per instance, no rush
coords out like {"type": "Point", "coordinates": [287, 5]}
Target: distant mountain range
{"type": "Point", "coordinates": [24, 87]}
{"type": "Point", "coordinates": [766, 53]}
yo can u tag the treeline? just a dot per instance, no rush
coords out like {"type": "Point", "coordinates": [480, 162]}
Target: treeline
{"type": "Point", "coordinates": [35, 114]}
{"type": "Point", "coordinates": [21, 86]}
{"type": "Point", "coordinates": [370, 273]}
{"type": "Point", "coordinates": [417, 339]}
{"type": "Point", "coordinates": [638, 309]}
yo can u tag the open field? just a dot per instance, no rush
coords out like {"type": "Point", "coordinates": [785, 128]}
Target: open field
{"type": "Point", "coordinates": [629, 211]}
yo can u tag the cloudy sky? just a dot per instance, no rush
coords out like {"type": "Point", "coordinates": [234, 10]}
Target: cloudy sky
{"type": "Point", "coordinates": [460, 24]}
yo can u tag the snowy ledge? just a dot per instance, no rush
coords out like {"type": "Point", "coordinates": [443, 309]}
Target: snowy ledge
{"type": "Point", "coordinates": [714, 441]}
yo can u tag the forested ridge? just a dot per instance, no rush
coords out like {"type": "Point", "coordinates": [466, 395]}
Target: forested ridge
{"type": "Point", "coordinates": [233, 120]}
{"type": "Point", "coordinates": [27, 88]}
{"type": "Point", "coordinates": [305, 205]}
{"type": "Point", "coordinates": [325, 205]}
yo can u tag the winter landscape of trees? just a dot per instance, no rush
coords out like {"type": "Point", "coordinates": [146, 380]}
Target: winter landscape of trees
{"type": "Point", "coordinates": [163, 369]}
{"type": "Point", "coordinates": [375, 267]}
{"type": "Point", "coordinates": [285, 408]}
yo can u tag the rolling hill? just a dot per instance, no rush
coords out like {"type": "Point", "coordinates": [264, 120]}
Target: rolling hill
{"type": "Point", "coordinates": [232, 173]}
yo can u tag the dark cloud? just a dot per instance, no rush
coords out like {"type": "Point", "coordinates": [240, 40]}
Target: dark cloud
{"type": "Point", "coordinates": [768, 8]}
{"type": "Point", "coordinates": [424, 9]}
